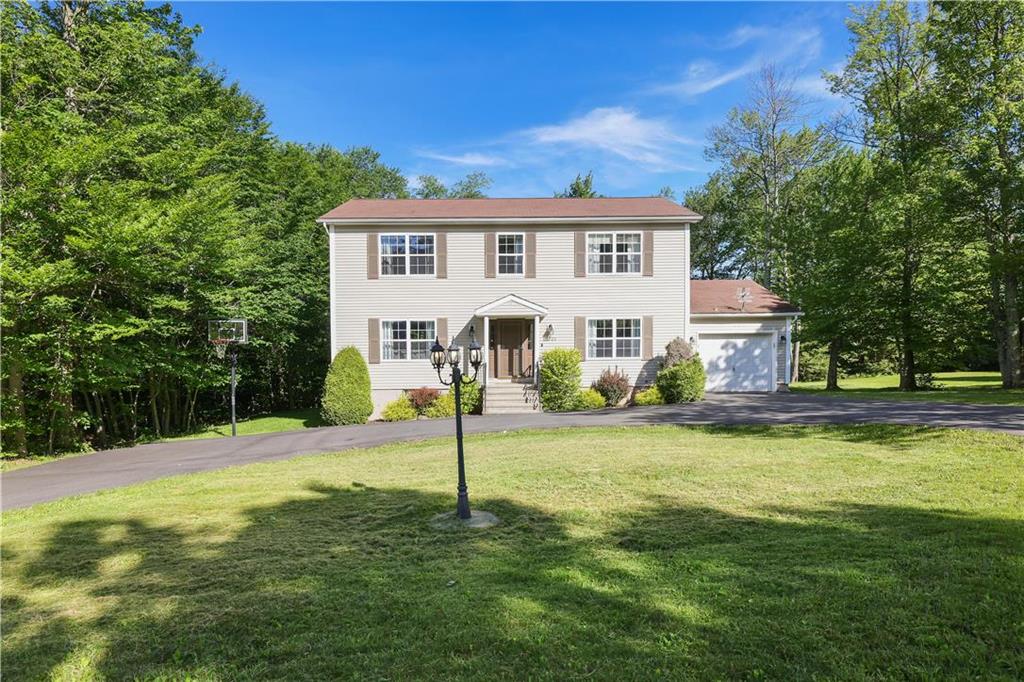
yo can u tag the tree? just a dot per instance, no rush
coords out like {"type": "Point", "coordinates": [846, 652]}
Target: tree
{"type": "Point", "coordinates": [472, 186]}
{"type": "Point", "coordinates": [719, 244]}
{"type": "Point", "coordinates": [767, 148]}
{"type": "Point", "coordinates": [580, 188]}
{"type": "Point", "coordinates": [979, 52]}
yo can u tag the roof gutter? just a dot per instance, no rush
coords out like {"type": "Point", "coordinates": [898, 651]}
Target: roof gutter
{"type": "Point", "coordinates": [786, 314]}
{"type": "Point", "coordinates": [397, 222]}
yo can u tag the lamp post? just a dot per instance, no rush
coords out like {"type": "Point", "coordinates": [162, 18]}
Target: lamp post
{"type": "Point", "coordinates": [439, 355]}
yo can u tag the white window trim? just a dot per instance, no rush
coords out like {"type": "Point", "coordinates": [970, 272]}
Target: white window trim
{"type": "Point", "coordinates": [408, 275]}
{"type": "Point", "coordinates": [615, 261]}
{"type": "Point", "coordinates": [408, 338]}
{"type": "Point", "coordinates": [615, 351]}
{"type": "Point", "coordinates": [497, 256]}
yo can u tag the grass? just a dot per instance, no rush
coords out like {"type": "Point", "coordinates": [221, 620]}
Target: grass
{"type": "Point", "coordinates": [954, 387]}
{"type": "Point", "coordinates": [624, 553]}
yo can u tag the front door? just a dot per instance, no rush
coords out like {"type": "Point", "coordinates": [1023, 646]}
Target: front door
{"type": "Point", "coordinates": [511, 352]}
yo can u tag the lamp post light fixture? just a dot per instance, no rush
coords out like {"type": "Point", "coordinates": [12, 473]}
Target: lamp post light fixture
{"type": "Point", "coordinates": [439, 356]}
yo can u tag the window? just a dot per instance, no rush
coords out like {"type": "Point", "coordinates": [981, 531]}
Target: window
{"type": "Point", "coordinates": [407, 339]}
{"type": "Point", "coordinates": [613, 252]}
{"type": "Point", "coordinates": [407, 254]}
{"type": "Point", "coordinates": [510, 254]}
{"type": "Point", "coordinates": [613, 338]}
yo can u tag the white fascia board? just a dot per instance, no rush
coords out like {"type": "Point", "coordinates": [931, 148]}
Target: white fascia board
{"type": "Point", "coordinates": [470, 222]}
{"type": "Point", "coordinates": [712, 316]}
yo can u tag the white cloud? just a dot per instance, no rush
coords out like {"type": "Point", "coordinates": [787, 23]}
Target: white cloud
{"type": "Point", "coordinates": [793, 46]}
{"type": "Point", "coordinates": [617, 131]}
{"type": "Point", "coordinates": [466, 159]}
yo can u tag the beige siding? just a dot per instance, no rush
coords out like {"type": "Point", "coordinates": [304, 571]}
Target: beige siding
{"type": "Point", "coordinates": [355, 298]}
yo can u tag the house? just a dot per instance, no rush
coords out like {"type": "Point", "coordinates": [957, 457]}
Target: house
{"type": "Point", "coordinates": [610, 277]}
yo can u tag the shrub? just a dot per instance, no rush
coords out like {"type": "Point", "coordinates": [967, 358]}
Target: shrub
{"type": "Point", "coordinates": [613, 385]}
{"type": "Point", "coordinates": [346, 397]}
{"type": "Point", "coordinates": [422, 398]}
{"type": "Point", "coordinates": [677, 351]}
{"type": "Point", "coordinates": [650, 396]}
{"type": "Point", "coordinates": [560, 377]}
{"type": "Point", "coordinates": [590, 399]}
{"type": "Point", "coordinates": [443, 407]}
{"type": "Point", "coordinates": [472, 398]}
{"type": "Point", "coordinates": [682, 383]}
{"type": "Point", "coordinates": [399, 410]}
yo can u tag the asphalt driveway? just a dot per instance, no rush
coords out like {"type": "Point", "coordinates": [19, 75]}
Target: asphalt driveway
{"type": "Point", "coordinates": [115, 468]}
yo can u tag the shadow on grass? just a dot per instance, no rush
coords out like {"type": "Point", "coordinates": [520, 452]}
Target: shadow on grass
{"type": "Point", "coordinates": [353, 582]}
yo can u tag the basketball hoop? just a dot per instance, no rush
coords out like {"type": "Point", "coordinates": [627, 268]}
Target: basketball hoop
{"type": "Point", "coordinates": [220, 347]}
{"type": "Point", "coordinates": [224, 333]}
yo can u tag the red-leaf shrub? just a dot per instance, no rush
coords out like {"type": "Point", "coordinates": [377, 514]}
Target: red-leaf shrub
{"type": "Point", "coordinates": [422, 398]}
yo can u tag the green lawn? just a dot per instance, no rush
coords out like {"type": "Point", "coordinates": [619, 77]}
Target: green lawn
{"type": "Point", "coordinates": [292, 420]}
{"type": "Point", "coordinates": [954, 387]}
{"type": "Point", "coordinates": [624, 553]}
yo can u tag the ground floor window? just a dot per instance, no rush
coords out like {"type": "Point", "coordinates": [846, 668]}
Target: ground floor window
{"type": "Point", "coordinates": [407, 339]}
{"type": "Point", "coordinates": [613, 337]}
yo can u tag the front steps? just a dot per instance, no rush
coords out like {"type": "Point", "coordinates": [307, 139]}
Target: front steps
{"type": "Point", "coordinates": [509, 397]}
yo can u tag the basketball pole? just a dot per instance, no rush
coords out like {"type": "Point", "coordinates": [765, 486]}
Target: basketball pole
{"type": "Point", "coordinates": [234, 361]}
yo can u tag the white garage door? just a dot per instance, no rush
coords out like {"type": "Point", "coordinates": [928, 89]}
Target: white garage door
{"type": "Point", "coordinates": [737, 362]}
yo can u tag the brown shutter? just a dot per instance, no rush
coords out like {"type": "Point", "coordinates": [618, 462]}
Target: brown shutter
{"type": "Point", "coordinates": [648, 254]}
{"type": "Point", "coordinates": [581, 336]}
{"type": "Point", "coordinates": [647, 337]}
{"type": "Point", "coordinates": [441, 254]}
{"type": "Point", "coordinates": [442, 331]}
{"type": "Point", "coordinates": [531, 255]}
{"type": "Point", "coordinates": [490, 253]}
{"type": "Point", "coordinates": [372, 256]}
{"type": "Point", "coordinates": [373, 344]}
{"type": "Point", "coordinates": [580, 250]}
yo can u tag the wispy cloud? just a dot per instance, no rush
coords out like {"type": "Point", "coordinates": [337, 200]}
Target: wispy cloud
{"type": "Point", "coordinates": [779, 45]}
{"type": "Point", "coordinates": [467, 159]}
{"type": "Point", "coordinates": [617, 131]}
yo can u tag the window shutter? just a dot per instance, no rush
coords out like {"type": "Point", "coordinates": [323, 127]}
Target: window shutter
{"type": "Point", "coordinates": [647, 338]}
{"type": "Point", "coordinates": [648, 254]}
{"type": "Point", "coordinates": [372, 256]}
{"type": "Point", "coordinates": [490, 253]}
{"type": "Point", "coordinates": [531, 255]}
{"type": "Point", "coordinates": [441, 254]}
{"type": "Point", "coordinates": [580, 250]}
{"type": "Point", "coordinates": [581, 335]}
{"type": "Point", "coordinates": [442, 331]}
{"type": "Point", "coordinates": [373, 343]}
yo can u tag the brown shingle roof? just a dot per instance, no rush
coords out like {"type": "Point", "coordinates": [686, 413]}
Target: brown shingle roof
{"type": "Point", "coordinates": [413, 209]}
{"type": "Point", "coordinates": [709, 296]}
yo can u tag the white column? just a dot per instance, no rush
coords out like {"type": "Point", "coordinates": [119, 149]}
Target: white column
{"type": "Point", "coordinates": [789, 351]}
{"type": "Point", "coordinates": [487, 348]}
{"type": "Point", "coordinates": [536, 349]}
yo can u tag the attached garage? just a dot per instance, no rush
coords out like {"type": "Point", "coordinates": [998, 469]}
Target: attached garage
{"type": "Point", "coordinates": [742, 332]}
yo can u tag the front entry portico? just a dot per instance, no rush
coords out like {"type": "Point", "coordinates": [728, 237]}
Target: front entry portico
{"type": "Point", "coordinates": [510, 327]}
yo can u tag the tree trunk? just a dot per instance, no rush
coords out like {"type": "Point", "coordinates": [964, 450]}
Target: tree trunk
{"type": "Point", "coordinates": [796, 363]}
{"type": "Point", "coordinates": [1010, 353]}
{"type": "Point", "coordinates": [153, 408]}
{"type": "Point", "coordinates": [16, 401]}
{"type": "Point", "coordinates": [70, 10]}
{"type": "Point", "coordinates": [832, 376]}
{"type": "Point", "coordinates": [908, 368]}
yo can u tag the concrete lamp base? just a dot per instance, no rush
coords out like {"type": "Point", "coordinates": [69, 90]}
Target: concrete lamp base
{"type": "Point", "coordinates": [478, 519]}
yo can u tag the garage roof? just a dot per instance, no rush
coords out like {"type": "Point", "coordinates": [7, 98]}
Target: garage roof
{"type": "Point", "coordinates": [719, 296]}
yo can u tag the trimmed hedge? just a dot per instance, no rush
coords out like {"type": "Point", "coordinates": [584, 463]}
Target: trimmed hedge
{"type": "Point", "coordinates": [346, 397]}
{"type": "Point", "coordinates": [399, 410]}
{"type": "Point", "coordinates": [682, 383]}
{"type": "Point", "coordinates": [650, 396]}
{"type": "Point", "coordinates": [590, 399]}
{"type": "Point", "coordinates": [560, 376]}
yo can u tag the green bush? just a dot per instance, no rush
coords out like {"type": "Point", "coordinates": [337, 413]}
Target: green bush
{"type": "Point", "coordinates": [472, 398]}
{"type": "Point", "coordinates": [590, 399]}
{"type": "Point", "coordinates": [560, 376]}
{"type": "Point", "coordinates": [613, 385]}
{"type": "Point", "coordinates": [682, 383]}
{"type": "Point", "coordinates": [443, 407]}
{"type": "Point", "coordinates": [399, 410]}
{"type": "Point", "coordinates": [650, 396]}
{"type": "Point", "coordinates": [346, 398]}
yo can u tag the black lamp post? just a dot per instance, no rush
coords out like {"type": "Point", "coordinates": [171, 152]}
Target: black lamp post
{"type": "Point", "coordinates": [439, 355]}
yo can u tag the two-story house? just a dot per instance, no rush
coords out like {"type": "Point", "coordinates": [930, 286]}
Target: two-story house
{"type": "Point", "coordinates": [610, 277]}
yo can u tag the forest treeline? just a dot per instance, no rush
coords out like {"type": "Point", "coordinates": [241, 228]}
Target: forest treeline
{"type": "Point", "coordinates": [898, 225]}
{"type": "Point", "coordinates": [143, 194]}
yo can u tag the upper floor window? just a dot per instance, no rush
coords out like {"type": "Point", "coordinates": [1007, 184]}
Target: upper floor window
{"type": "Point", "coordinates": [613, 338]}
{"type": "Point", "coordinates": [407, 339]}
{"type": "Point", "coordinates": [511, 248]}
{"type": "Point", "coordinates": [407, 254]}
{"type": "Point", "coordinates": [613, 252]}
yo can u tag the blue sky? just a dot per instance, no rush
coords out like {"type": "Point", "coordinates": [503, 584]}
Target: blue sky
{"type": "Point", "coordinates": [529, 93]}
